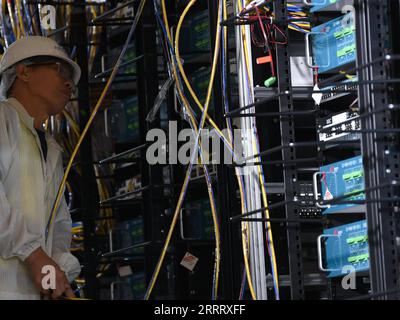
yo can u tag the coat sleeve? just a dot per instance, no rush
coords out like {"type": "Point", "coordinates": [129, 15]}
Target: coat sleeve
{"type": "Point", "coordinates": [15, 238]}
{"type": "Point", "coordinates": [62, 240]}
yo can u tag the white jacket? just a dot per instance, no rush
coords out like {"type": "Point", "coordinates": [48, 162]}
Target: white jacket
{"type": "Point", "coordinates": [28, 187]}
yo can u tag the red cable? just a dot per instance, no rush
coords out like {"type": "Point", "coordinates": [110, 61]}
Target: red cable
{"type": "Point", "coordinates": [315, 75]}
{"type": "Point", "coordinates": [266, 42]}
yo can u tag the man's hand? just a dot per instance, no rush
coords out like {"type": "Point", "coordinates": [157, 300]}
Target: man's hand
{"type": "Point", "coordinates": [35, 263]}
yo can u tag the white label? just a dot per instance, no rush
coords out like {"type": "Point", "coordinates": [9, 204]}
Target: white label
{"type": "Point", "coordinates": [189, 261]}
{"type": "Point", "coordinates": [317, 96]}
{"type": "Point", "coordinates": [124, 271]}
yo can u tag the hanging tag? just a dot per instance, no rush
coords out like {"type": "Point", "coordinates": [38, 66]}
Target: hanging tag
{"type": "Point", "coordinates": [124, 271]}
{"type": "Point", "coordinates": [317, 96]}
{"type": "Point", "coordinates": [189, 261]}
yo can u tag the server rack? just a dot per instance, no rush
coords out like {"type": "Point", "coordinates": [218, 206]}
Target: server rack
{"type": "Point", "coordinates": [380, 142]}
{"type": "Point", "coordinates": [292, 112]}
{"type": "Point", "coordinates": [374, 88]}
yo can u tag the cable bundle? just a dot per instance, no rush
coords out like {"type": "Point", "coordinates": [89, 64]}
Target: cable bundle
{"type": "Point", "coordinates": [298, 18]}
{"type": "Point", "coordinates": [77, 237]}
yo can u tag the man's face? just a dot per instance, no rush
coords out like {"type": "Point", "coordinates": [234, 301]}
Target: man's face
{"type": "Point", "coordinates": [52, 82]}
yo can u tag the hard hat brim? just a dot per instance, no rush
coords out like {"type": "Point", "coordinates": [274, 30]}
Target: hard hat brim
{"type": "Point", "coordinates": [76, 70]}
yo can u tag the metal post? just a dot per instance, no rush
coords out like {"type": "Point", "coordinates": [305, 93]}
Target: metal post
{"type": "Point", "coordinates": [88, 185]}
{"type": "Point", "coordinates": [151, 175]}
{"type": "Point", "coordinates": [290, 174]}
{"type": "Point", "coordinates": [380, 158]}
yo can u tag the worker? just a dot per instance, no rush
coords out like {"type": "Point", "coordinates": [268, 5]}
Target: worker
{"type": "Point", "coordinates": [37, 80]}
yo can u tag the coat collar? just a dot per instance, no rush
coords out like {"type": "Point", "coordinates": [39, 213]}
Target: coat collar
{"type": "Point", "coordinates": [28, 121]}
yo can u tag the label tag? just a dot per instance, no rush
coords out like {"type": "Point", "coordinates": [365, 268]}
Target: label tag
{"type": "Point", "coordinates": [189, 261]}
{"type": "Point", "coordinates": [317, 96]}
{"type": "Point", "coordinates": [124, 271]}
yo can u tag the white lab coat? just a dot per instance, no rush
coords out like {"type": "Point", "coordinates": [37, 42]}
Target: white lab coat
{"type": "Point", "coordinates": [28, 187]}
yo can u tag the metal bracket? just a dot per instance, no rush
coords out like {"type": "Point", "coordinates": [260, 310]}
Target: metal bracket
{"type": "Point", "coordinates": [315, 187]}
{"type": "Point", "coordinates": [319, 246]}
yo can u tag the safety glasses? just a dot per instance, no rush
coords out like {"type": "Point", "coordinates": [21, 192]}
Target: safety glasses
{"type": "Point", "coordinates": [63, 69]}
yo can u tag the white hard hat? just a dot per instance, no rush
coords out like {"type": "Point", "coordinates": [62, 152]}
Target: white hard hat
{"type": "Point", "coordinates": [35, 46]}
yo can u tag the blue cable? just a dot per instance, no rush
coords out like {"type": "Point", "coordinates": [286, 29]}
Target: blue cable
{"type": "Point", "coordinates": [243, 285]}
{"type": "Point", "coordinates": [28, 18]}
{"type": "Point", "coordinates": [298, 28]}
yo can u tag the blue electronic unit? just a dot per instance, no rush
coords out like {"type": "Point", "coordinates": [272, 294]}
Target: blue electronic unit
{"type": "Point", "coordinates": [334, 43]}
{"type": "Point", "coordinates": [198, 221]}
{"type": "Point", "coordinates": [321, 4]}
{"type": "Point", "coordinates": [129, 233]}
{"type": "Point", "coordinates": [343, 178]}
{"type": "Point", "coordinates": [347, 245]}
{"type": "Point", "coordinates": [335, 5]}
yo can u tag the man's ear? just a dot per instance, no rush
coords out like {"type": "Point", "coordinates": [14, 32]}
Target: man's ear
{"type": "Point", "coordinates": [22, 72]}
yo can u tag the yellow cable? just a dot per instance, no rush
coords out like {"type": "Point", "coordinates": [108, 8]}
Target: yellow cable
{"type": "Point", "coordinates": [193, 121]}
{"type": "Point", "coordinates": [348, 76]}
{"type": "Point", "coordinates": [104, 224]}
{"type": "Point", "coordinates": [245, 238]}
{"type": "Point", "coordinates": [13, 25]}
{"type": "Point", "coordinates": [101, 194]}
{"type": "Point", "coordinates": [244, 224]}
{"type": "Point", "coordinates": [94, 47]}
{"type": "Point", "coordinates": [213, 209]}
{"type": "Point", "coordinates": [85, 130]}
{"type": "Point", "coordinates": [186, 180]}
{"type": "Point", "coordinates": [72, 122]}
{"type": "Point", "coordinates": [21, 21]}
{"type": "Point", "coordinates": [187, 83]}
{"type": "Point", "coordinates": [263, 191]}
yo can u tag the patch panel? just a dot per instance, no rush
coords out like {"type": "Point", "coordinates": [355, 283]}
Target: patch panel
{"type": "Point", "coordinates": [196, 33]}
{"type": "Point", "coordinates": [198, 170]}
{"type": "Point", "coordinates": [347, 245]}
{"type": "Point", "coordinates": [124, 119]}
{"type": "Point", "coordinates": [130, 185]}
{"type": "Point", "coordinates": [129, 233]}
{"type": "Point", "coordinates": [340, 179]}
{"type": "Point", "coordinates": [138, 285]}
{"type": "Point", "coordinates": [347, 85]}
{"type": "Point", "coordinates": [331, 128]}
{"type": "Point", "coordinates": [196, 221]}
{"type": "Point", "coordinates": [130, 54]}
{"type": "Point", "coordinates": [306, 202]}
{"type": "Point", "coordinates": [334, 43]}
{"type": "Point", "coordinates": [131, 287]}
{"type": "Point", "coordinates": [200, 81]}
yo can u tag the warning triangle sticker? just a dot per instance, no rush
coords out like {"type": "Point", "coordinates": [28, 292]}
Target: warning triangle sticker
{"type": "Point", "coordinates": [328, 195]}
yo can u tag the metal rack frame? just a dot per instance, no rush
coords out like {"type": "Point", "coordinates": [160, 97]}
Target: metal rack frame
{"type": "Point", "coordinates": [380, 155]}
